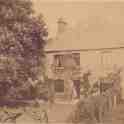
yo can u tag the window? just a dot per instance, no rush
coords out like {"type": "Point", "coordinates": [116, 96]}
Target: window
{"type": "Point", "coordinates": [63, 60]}
{"type": "Point", "coordinates": [59, 86]}
{"type": "Point", "coordinates": [58, 60]}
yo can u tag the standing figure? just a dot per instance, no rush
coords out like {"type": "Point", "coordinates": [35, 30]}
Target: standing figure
{"type": "Point", "coordinates": [77, 88]}
{"type": "Point", "coordinates": [50, 92]}
{"type": "Point", "coordinates": [72, 91]}
{"type": "Point", "coordinates": [44, 117]}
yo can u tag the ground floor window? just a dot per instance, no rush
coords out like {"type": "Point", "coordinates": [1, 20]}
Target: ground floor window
{"type": "Point", "coordinates": [59, 86]}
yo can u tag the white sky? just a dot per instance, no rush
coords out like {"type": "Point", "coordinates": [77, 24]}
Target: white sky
{"type": "Point", "coordinates": [104, 21]}
{"type": "Point", "coordinates": [74, 0]}
{"type": "Point", "coordinates": [85, 13]}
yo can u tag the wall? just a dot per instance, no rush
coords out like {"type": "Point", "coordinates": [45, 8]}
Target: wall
{"type": "Point", "coordinates": [98, 62]}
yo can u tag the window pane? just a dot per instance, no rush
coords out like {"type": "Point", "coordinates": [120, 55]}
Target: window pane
{"type": "Point", "coordinates": [59, 86]}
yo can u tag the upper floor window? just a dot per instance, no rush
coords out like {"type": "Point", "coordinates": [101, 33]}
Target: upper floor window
{"type": "Point", "coordinates": [66, 60]}
{"type": "Point", "coordinates": [59, 61]}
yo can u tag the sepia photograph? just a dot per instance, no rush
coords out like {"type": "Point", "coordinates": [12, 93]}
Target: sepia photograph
{"type": "Point", "coordinates": [61, 62]}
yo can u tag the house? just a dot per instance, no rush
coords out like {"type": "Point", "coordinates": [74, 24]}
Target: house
{"type": "Point", "coordinates": [68, 58]}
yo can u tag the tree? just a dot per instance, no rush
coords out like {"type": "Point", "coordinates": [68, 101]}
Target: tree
{"type": "Point", "coordinates": [85, 83]}
{"type": "Point", "coordinates": [22, 39]}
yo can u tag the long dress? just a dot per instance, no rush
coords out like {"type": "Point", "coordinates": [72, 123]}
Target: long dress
{"type": "Point", "coordinates": [74, 92]}
{"type": "Point", "coordinates": [73, 89]}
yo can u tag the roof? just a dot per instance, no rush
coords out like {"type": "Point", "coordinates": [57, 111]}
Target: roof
{"type": "Point", "coordinates": [88, 35]}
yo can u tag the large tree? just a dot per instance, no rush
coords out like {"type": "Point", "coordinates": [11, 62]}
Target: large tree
{"type": "Point", "coordinates": [22, 39]}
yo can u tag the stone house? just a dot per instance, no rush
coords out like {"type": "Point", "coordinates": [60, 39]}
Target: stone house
{"type": "Point", "coordinates": [67, 59]}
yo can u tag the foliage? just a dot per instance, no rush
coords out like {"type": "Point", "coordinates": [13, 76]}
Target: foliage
{"type": "Point", "coordinates": [22, 39]}
{"type": "Point", "coordinates": [85, 83]}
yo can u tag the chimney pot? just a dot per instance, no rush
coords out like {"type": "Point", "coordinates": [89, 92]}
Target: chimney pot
{"type": "Point", "coordinates": [62, 25]}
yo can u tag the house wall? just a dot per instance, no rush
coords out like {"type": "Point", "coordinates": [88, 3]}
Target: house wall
{"type": "Point", "coordinates": [97, 62]}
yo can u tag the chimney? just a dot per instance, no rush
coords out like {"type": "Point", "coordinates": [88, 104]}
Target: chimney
{"type": "Point", "coordinates": [62, 25]}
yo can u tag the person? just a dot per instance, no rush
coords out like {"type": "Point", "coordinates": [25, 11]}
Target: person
{"type": "Point", "coordinates": [50, 92]}
{"type": "Point", "coordinates": [44, 117]}
{"type": "Point", "coordinates": [117, 86]}
{"type": "Point", "coordinates": [72, 91]}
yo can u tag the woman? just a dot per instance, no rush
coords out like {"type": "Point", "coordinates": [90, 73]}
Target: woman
{"type": "Point", "coordinates": [73, 92]}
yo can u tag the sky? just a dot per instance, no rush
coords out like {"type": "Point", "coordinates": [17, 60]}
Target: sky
{"type": "Point", "coordinates": [103, 18]}
{"type": "Point", "coordinates": [101, 24]}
